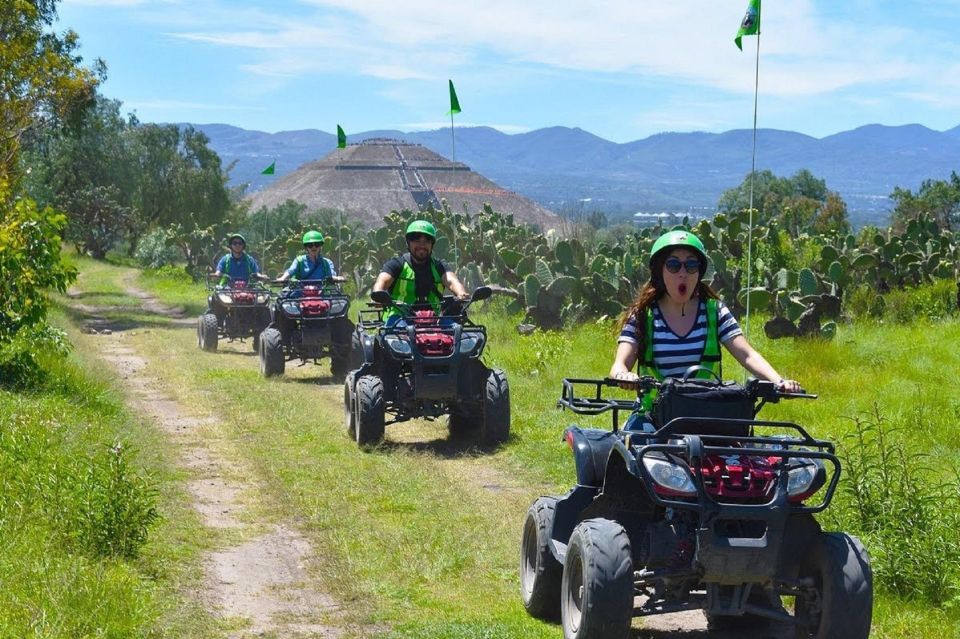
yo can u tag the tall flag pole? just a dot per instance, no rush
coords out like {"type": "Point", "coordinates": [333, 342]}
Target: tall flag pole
{"type": "Point", "coordinates": [341, 142]}
{"type": "Point", "coordinates": [454, 108]}
{"type": "Point", "coordinates": [750, 25]}
{"type": "Point", "coordinates": [270, 170]}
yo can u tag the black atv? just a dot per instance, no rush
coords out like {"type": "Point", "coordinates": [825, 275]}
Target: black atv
{"type": "Point", "coordinates": [308, 321]}
{"type": "Point", "coordinates": [695, 505]}
{"type": "Point", "coordinates": [236, 309]}
{"type": "Point", "coordinates": [426, 365]}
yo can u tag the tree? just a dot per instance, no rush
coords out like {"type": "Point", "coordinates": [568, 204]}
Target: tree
{"type": "Point", "coordinates": [180, 185]}
{"type": "Point", "coordinates": [41, 85]}
{"type": "Point", "coordinates": [938, 198]}
{"type": "Point", "coordinates": [41, 80]}
{"type": "Point", "coordinates": [88, 171]}
{"type": "Point", "coordinates": [799, 202]}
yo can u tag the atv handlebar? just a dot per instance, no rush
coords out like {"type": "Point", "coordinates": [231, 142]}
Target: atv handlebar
{"type": "Point", "coordinates": [757, 388]}
{"type": "Point", "coordinates": [384, 300]}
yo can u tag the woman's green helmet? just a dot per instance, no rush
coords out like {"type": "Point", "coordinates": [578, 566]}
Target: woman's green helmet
{"type": "Point", "coordinates": [236, 236]}
{"type": "Point", "coordinates": [686, 239]}
{"type": "Point", "coordinates": [421, 226]}
{"type": "Point", "coordinates": [312, 236]}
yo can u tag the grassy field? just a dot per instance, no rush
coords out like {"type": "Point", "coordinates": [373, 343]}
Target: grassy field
{"type": "Point", "coordinates": [420, 537]}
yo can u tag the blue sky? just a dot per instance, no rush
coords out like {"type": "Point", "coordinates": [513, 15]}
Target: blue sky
{"type": "Point", "coordinates": [621, 69]}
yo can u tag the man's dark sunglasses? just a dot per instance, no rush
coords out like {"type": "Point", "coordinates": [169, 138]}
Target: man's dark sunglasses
{"type": "Point", "coordinates": [691, 264]}
{"type": "Point", "coordinates": [313, 244]}
{"type": "Point", "coordinates": [415, 237]}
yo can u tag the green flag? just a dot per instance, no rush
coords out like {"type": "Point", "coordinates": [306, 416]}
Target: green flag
{"type": "Point", "coordinates": [454, 103]}
{"type": "Point", "coordinates": [750, 24]}
{"type": "Point", "coordinates": [270, 169]}
{"type": "Point", "coordinates": [341, 138]}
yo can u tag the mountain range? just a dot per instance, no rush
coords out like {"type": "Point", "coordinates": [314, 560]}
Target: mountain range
{"type": "Point", "coordinates": [570, 170]}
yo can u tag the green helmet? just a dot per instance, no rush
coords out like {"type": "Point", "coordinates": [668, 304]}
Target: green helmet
{"type": "Point", "coordinates": [236, 236]}
{"type": "Point", "coordinates": [312, 236]}
{"type": "Point", "coordinates": [686, 239]}
{"type": "Point", "coordinates": [422, 226]}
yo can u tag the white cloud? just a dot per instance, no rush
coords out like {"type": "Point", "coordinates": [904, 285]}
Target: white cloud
{"type": "Point", "coordinates": [804, 52]}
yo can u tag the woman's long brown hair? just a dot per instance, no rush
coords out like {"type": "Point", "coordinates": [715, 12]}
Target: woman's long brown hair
{"type": "Point", "coordinates": [649, 293]}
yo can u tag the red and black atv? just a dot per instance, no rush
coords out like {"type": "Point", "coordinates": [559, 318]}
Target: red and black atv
{"type": "Point", "coordinates": [308, 321]}
{"type": "Point", "coordinates": [236, 309]}
{"type": "Point", "coordinates": [694, 505]}
{"type": "Point", "coordinates": [425, 365]}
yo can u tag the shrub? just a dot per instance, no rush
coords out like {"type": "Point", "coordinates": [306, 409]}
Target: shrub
{"type": "Point", "coordinates": [31, 264]}
{"type": "Point", "coordinates": [155, 250]}
{"type": "Point", "coordinates": [907, 515]}
{"type": "Point", "coordinates": [934, 301]}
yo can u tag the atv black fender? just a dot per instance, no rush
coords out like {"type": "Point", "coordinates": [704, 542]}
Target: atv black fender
{"type": "Point", "coordinates": [365, 346]}
{"type": "Point", "coordinates": [592, 449]}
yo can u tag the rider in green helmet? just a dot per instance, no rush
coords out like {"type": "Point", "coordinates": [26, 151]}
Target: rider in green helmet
{"type": "Point", "coordinates": [677, 320]}
{"type": "Point", "coordinates": [416, 277]}
{"type": "Point", "coordinates": [235, 266]}
{"type": "Point", "coordinates": [311, 265]}
{"type": "Point", "coordinates": [238, 264]}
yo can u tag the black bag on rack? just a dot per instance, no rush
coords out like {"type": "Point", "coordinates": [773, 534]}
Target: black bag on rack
{"type": "Point", "coordinates": [707, 400]}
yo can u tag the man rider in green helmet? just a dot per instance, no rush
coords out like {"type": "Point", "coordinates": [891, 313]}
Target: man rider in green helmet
{"type": "Point", "coordinates": [677, 321]}
{"type": "Point", "coordinates": [239, 266]}
{"type": "Point", "coordinates": [416, 277]}
{"type": "Point", "coordinates": [311, 265]}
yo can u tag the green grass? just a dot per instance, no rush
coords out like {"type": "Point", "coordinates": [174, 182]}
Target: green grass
{"type": "Point", "coordinates": [420, 538]}
{"type": "Point", "coordinates": [71, 561]}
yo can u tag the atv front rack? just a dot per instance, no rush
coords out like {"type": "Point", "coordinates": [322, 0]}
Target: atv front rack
{"type": "Point", "coordinates": [674, 440]}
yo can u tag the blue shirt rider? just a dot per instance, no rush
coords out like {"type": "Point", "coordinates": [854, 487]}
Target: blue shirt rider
{"type": "Point", "coordinates": [238, 264]}
{"type": "Point", "coordinates": [311, 265]}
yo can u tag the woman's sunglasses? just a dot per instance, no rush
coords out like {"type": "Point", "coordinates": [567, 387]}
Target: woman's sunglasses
{"type": "Point", "coordinates": [314, 244]}
{"type": "Point", "coordinates": [691, 264]}
{"type": "Point", "coordinates": [236, 243]}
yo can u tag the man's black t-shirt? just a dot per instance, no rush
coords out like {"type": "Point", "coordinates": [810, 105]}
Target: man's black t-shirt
{"type": "Point", "coordinates": [423, 277]}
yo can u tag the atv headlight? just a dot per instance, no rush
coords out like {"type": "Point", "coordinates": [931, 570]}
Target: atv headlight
{"type": "Point", "coordinates": [291, 308]}
{"type": "Point", "coordinates": [469, 342]}
{"type": "Point", "coordinates": [225, 298]}
{"type": "Point", "coordinates": [672, 477]}
{"type": "Point", "coordinates": [398, 345]}
{"type": "Point", "coordinates": [337, 307]}
{"type": "Point", "coordinates": [801, 477]}
{"type": "Point", "coordinates": [263, 298]}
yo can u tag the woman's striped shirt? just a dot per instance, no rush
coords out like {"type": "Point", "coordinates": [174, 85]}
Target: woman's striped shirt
{"type": "Point", "coordinates": [674, 354]}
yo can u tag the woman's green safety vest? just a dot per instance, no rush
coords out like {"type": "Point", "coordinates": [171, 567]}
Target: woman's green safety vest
{"type": "Point", "coordinates": [321, 266]}
{"type": "Point", "coordinates": [710, 361]}
{"type": "Point", "coordinates": [404, 288]}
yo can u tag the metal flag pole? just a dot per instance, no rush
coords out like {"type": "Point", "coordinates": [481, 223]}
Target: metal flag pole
{"type": "Point", "coordinates": [753, 170]}
{"type": "Point", "coordinates": [453, 143]}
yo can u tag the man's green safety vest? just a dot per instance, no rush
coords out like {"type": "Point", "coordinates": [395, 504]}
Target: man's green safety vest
{"type": "Point", "coordinates": [404, 288]}
{"type": "Point", "coordinates": [710, 361]}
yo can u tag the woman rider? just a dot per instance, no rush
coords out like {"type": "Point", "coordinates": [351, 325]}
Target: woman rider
{"type": "Point", "coordinates": [677, 321]}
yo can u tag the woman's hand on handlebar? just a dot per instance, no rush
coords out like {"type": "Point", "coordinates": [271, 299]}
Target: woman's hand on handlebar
{"type": "Point", "coordinates": [629, 379]}
{"type": "Point", "coordinates": [789, 386]}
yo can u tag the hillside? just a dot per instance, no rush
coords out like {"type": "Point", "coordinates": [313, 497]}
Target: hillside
{"type": "Point", "coordinates": [559, 167]}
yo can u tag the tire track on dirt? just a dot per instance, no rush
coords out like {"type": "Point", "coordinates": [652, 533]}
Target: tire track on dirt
{"type": "Point", "coordinates": [261, 584]}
